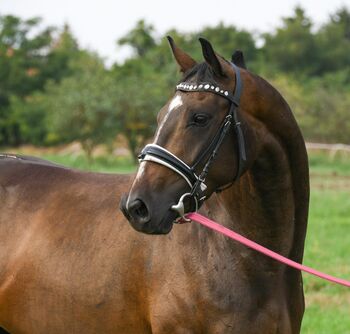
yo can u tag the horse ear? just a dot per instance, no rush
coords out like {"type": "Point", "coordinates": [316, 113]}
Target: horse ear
{"type": "Point", "coordinates": [211, 57]}
{"type": "Point", "coordinates": [238, 59]}
{"type": "Point", "coordinates": [184, 61]}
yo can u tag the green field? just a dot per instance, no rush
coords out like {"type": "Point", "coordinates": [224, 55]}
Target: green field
{"type": "Point", "coordinates": [328, 237]}
{"type": "Point", "coordinates": [327, 246]}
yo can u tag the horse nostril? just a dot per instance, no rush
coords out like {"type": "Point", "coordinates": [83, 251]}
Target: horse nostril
{"type": "Point", "coordinates": [138, 211]}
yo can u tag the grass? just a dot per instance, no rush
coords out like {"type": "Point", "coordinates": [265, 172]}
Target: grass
{"type": "Point", "coordinates": [327, 249]}
{"type": "Point", "coordinates": [328, 238]}
{"type": "Point", "coordinates": [321, 163]}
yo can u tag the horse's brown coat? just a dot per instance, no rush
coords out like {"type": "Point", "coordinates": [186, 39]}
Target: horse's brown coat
{"type": "Point", "coordinates": [70, 262]}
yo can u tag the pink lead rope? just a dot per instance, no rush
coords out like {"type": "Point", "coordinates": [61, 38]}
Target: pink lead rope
{"type": "Point", "coordinates": [235, 236]}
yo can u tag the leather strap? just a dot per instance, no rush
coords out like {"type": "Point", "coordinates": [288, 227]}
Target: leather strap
{"type": "Point", "coordinates": [163, 155]}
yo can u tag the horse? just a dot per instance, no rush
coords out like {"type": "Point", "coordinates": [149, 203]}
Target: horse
{"type": "Point", "coordinates": [71, 261]}
{"type": "Point", "coordinates": [232, 139]}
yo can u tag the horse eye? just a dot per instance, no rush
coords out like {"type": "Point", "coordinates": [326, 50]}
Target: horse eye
{"type": "Point", "coordinates": [200, 119]}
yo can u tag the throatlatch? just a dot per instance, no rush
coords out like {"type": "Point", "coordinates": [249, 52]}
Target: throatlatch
{"type": "Point", "coordinates": [162, 156]}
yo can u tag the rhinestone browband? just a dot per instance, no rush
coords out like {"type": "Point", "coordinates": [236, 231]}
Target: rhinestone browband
{"type": "Point", "coordinates": [206, 87]}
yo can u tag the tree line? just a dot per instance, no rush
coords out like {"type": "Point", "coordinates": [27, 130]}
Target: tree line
{"type": "Point", "coordinates": [53, 91]}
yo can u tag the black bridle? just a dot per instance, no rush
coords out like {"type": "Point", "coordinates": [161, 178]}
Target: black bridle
{"type": "Point", "coordinates": [160, 155]}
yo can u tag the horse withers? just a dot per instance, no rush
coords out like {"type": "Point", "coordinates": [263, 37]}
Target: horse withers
{"type": "Point", "coordinates": [251, 176]}
{"type": "Point", "coordinates": [69, 262]}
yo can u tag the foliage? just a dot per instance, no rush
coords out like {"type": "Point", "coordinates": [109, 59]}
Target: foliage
{"type": "Point", "coordinates": [142, 86]}
{"type": "Point", "coordinates": [321, 105]}
{"type": "Point", "coordinates": [64, 50]}
{"type": "Point", "coordinates": [29, 57]}
{"type": "Point", "coordinates": [140, 96]}
{"type": "Point", "coordinates": [292, 48]}
{"type": "Point", "coordinates": [140, 38]}
{"type": "Point", "coordinates": [21, 67]}
{"type": "Point", "coordinates": [22, 55]}
{"type": "Point", "coordinates": [83, 107]}
{"type": "Point", "coordinates": [29, 116]}
{"type": "Point", "coordinates": [334, 43]}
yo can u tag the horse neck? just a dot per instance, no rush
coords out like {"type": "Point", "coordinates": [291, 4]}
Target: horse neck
{"type": "Point", "coordinates": [261, 204]}
{"type": "Point", "coordinates": [269, 203]}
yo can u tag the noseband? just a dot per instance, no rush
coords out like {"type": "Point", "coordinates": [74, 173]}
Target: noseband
{"type": "Point", "coordinates": [162, 156]}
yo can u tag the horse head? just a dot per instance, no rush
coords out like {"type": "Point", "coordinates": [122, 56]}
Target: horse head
{"type": "Point", "coordinates": [198, 147]}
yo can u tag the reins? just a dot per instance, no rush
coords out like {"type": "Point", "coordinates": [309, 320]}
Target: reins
{"type": "Point", "coordinates": [261, 249]}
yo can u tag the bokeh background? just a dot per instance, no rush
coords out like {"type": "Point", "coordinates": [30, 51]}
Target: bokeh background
{"type": "Point", "coordinates": [81, 83]}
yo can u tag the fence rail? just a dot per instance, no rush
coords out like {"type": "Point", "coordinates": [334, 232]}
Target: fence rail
{"type": "Point", "coordinates": [333, 149]}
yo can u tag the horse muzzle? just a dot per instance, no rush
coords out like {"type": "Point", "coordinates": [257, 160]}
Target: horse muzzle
{"type": "Point", "coordinates": [147, 218]}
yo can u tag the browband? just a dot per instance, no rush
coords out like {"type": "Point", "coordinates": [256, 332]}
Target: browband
{"type": "Point", "coordinates": [209, 87]}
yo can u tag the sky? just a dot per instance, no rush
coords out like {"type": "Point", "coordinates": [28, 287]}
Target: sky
{"type": "Point", "coordinates": [98, 24]}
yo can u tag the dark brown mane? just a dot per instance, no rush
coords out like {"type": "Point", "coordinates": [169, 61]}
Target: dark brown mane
{"type": "Point", "coordinates": [280, 120]}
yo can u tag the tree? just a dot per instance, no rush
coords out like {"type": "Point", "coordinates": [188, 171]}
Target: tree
{"type": "Point", "coordinates": [29, 57]}
{"type": "Point", "coordinates": [320, 104]}
{"type": "Point", "coordinates": [334, 42]}
{"type": "Point", "coordinates": [143, 84]}
{"type": "Point", "coordinates": [292, 48]}
{"type": "Point", "coordinates": [22, 60]}
{"type": "Point", "coordinates": [141, 94]}
{"type": "Point", "coordinates": [23, 55]}
{"type": "Point", "coordinates": [140, 38]}
{"type": "Point", "coordinates": [29, 115]}
{"type": "Point", "coordinates": [63, 51]}
{"type": "Point", "coordinates": [83, 107]}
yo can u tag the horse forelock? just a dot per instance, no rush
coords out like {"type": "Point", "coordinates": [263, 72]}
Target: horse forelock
{"type": "Point", "coordinates": [200, 73]}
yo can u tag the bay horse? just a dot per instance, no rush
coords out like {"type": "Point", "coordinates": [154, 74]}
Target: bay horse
{"type": "Point", "coordinates": [70, 262]}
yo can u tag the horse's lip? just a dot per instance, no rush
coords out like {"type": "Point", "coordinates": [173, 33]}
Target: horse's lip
{"type": "Point", "coordinates": [164, 226]}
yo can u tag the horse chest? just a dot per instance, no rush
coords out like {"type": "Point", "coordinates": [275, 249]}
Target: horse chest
{"type": "Point", "coordinates": [205, 289]}
{"type": "Point", "coordinates": [190, 289]}
{"type": "Point", "coordinates": [209, 305]}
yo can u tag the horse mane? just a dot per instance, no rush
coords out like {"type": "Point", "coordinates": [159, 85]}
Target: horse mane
{"type": "Point", "coordinates": [279, 119]}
